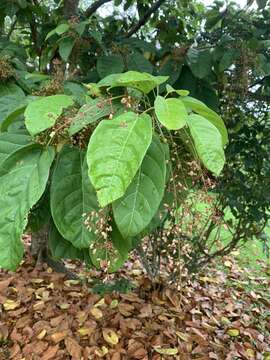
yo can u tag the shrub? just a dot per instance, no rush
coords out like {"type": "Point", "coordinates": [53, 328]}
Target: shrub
{"type": "Point", "coordinates": [93, 175]}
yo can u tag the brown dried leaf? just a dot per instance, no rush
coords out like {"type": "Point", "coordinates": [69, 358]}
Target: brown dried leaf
{"type": "Point", "coordinates": [73, 348]}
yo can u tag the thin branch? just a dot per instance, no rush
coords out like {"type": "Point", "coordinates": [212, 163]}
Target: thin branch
{"type": "Point", "coordinates": [145, 18]}
{"type": "Point", "coordinates": [260, 97]}
{"type": "Point", "coordinates": [258, 82]}
{"type": "Point", "coordinates": [93, 8]}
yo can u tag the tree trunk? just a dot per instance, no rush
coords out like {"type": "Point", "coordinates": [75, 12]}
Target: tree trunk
{"type": "Point", "coordinates": [70, 8]}
{"type": "Point", "coordinates": [40, 251]}
{"type": "Point", "coordinates": [39, 243]}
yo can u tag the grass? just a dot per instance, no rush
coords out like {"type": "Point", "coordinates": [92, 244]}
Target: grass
{"type": "Point", "coordinates": [252, 253]}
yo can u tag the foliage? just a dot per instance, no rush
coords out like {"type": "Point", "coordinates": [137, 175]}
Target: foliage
{"type": "Point", "coordinates": [124, 165]}
{"type": "Point", "coordinates": [133, 83]}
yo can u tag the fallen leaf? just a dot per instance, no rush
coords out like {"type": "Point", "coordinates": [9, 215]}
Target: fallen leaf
{"type": "Point", "coordinates": [101, 302]}
{"type": "Point", "coordinates": [168, 351]}
{"type": "Point", "coordinates": [233, 332]}
{"type": "Point", "coordinates": [85, 331]}
{"type": "Point", "coordinates": [11, 304]}
{"type": "Point", "coordinates": [50, 353]}
{"type": "Point", "coordinates": [58, 336]}
{"type": "Point", "coordinates": [4, 284]}
{"type": "Point", "coordinates": [39, 305]}
{"type": "Point", "coordinates": [3, 332]}
{"type": "Point", "coordinates": [182, 336]}
{"type": "Point", "coordinates": [225, 321]}
{"type": "Point", "coordinates": [110, 336]}
{"type": "Point", "coordinates": [101, 352]}
{"type": "Point", "coordinates": [250, 353]}
{"type": "Point", "coordinates": [42, 334]}
{"type": "Point", "coordinates": [97, 313]}
{"type": "Point", "coordinates": [71, 282]}
{"type": "Point", "coordinates": [114, 304]}
{"type": "Point", "coordinates": [73, 348]}
{"type": "Point", "coordinates": [64, 306]}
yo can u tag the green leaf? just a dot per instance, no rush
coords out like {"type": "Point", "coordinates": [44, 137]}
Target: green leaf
{"type": "Point", "coordinates": [43, 113]}
{"type": "Point", "coordinates": [173, 69]}
{"type": "Point", "coordinates": [108, 80]}
{"type": "Point", "coordinates": [23, 179]}
{"type": "Point", "coordinates": [36, 77]}
{"type": "Point", "coordinates": [10, 105]}
{"type": "Point", "coordinates": [80, 27]}
{"type": "Point", "coordinates": [227, 59]}
{"type": "Point", "coordinates": [65, 47]}
{"type": "Point", "coordinates": [62, 249]}
{"type": "Point", "coordinates": [115, 255]}
{"type": "Point", "coordinates": [89, 113]}
{"type": "Point", "coordinates": [170, 89]}
{"type": "Point", "coordinates": [200, 62]}
{"type": "Point", "coordinates": [171, 112]}
{"type": "Point", "coordinates": [107, 65]}
{"type": "Point", "coordinates": [11, 89]}
{"type": "Point", "coordinates": [138, 62]}
{"type": "Point", "coordinates": [115, 153]}
{"type": "Point", "coordinates": [12, 117]}
{"type": "Point", "coordinates": [59, 30]}
{"type": "Point", "coordinates": [134, 211]}
{"type": "Point", "coordinates": [72, 197]}
{"type": "Point", "coordinates": [200, 108]}
{"type": "Point", "coordinates": [208, 143]}
{"type": "Point", "coordinates": [10, 143]}
{"type": "Point", "coordinates": [137, 80]}
{"type": "Point", "coordinates": [161, 214]}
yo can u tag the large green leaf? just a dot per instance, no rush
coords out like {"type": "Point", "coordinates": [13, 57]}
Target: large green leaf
{"type": "Point", "coordinates": [138, 62]}
{"type": "Point", "coordinates": [89, 113]}
{"type": "Point", "coordinates": [72, 196]}
{"type": "Point", "coordinates": [66, 45]}
{"type": "Point", "coordinates": [203, 110]}
{"type": "Point", "coordinates": [115, 153]}
{"type": "Point", "coordinates": [12, 117]}
{"type": "Point", "coordinates": [134, 211]}
{"type": "Point", "coordinates": [10, 104]}
{"type": "Point", "coordinates": [107, 65]}
{"type": "Point", "coordinates": [172, 68]}
{"type": "Point", "coordinates": [200, 62]}
{"type": "Point", "coordinates": [61, 248]}
{"type": "Point", "coordinates": [171, 113]}
{"type": "Point", "coordinates": [23, 178]}
{"type": "Point", "coordinates": [208, 143]}
{"type": "Point", "coordinates": [59, 30]}
{"type": "Point", "coordinates": [11, 88]}
{"type": "Point", "coordinates": [43, 113]}
{"type": "Point", "coordinates": [9, 143]}
{"type": "Point", "coordinates": [138, 80]}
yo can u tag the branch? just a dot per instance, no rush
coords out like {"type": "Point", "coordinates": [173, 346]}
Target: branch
{"type": "Point", "coordinates": [258, 82]}
{"type": "Point", "coordinates": [93, 8]}
{"type": "Point", "coordinates": [145, 18]}
{"type": "Point", "coordinates": [260, 97]}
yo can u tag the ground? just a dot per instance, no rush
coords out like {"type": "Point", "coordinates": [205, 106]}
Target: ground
{"type": "Point", "coordinates": [224, 313]}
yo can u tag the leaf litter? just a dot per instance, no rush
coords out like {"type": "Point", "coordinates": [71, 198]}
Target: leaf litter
{"type": "Point", "coordinates": [224, 313]}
